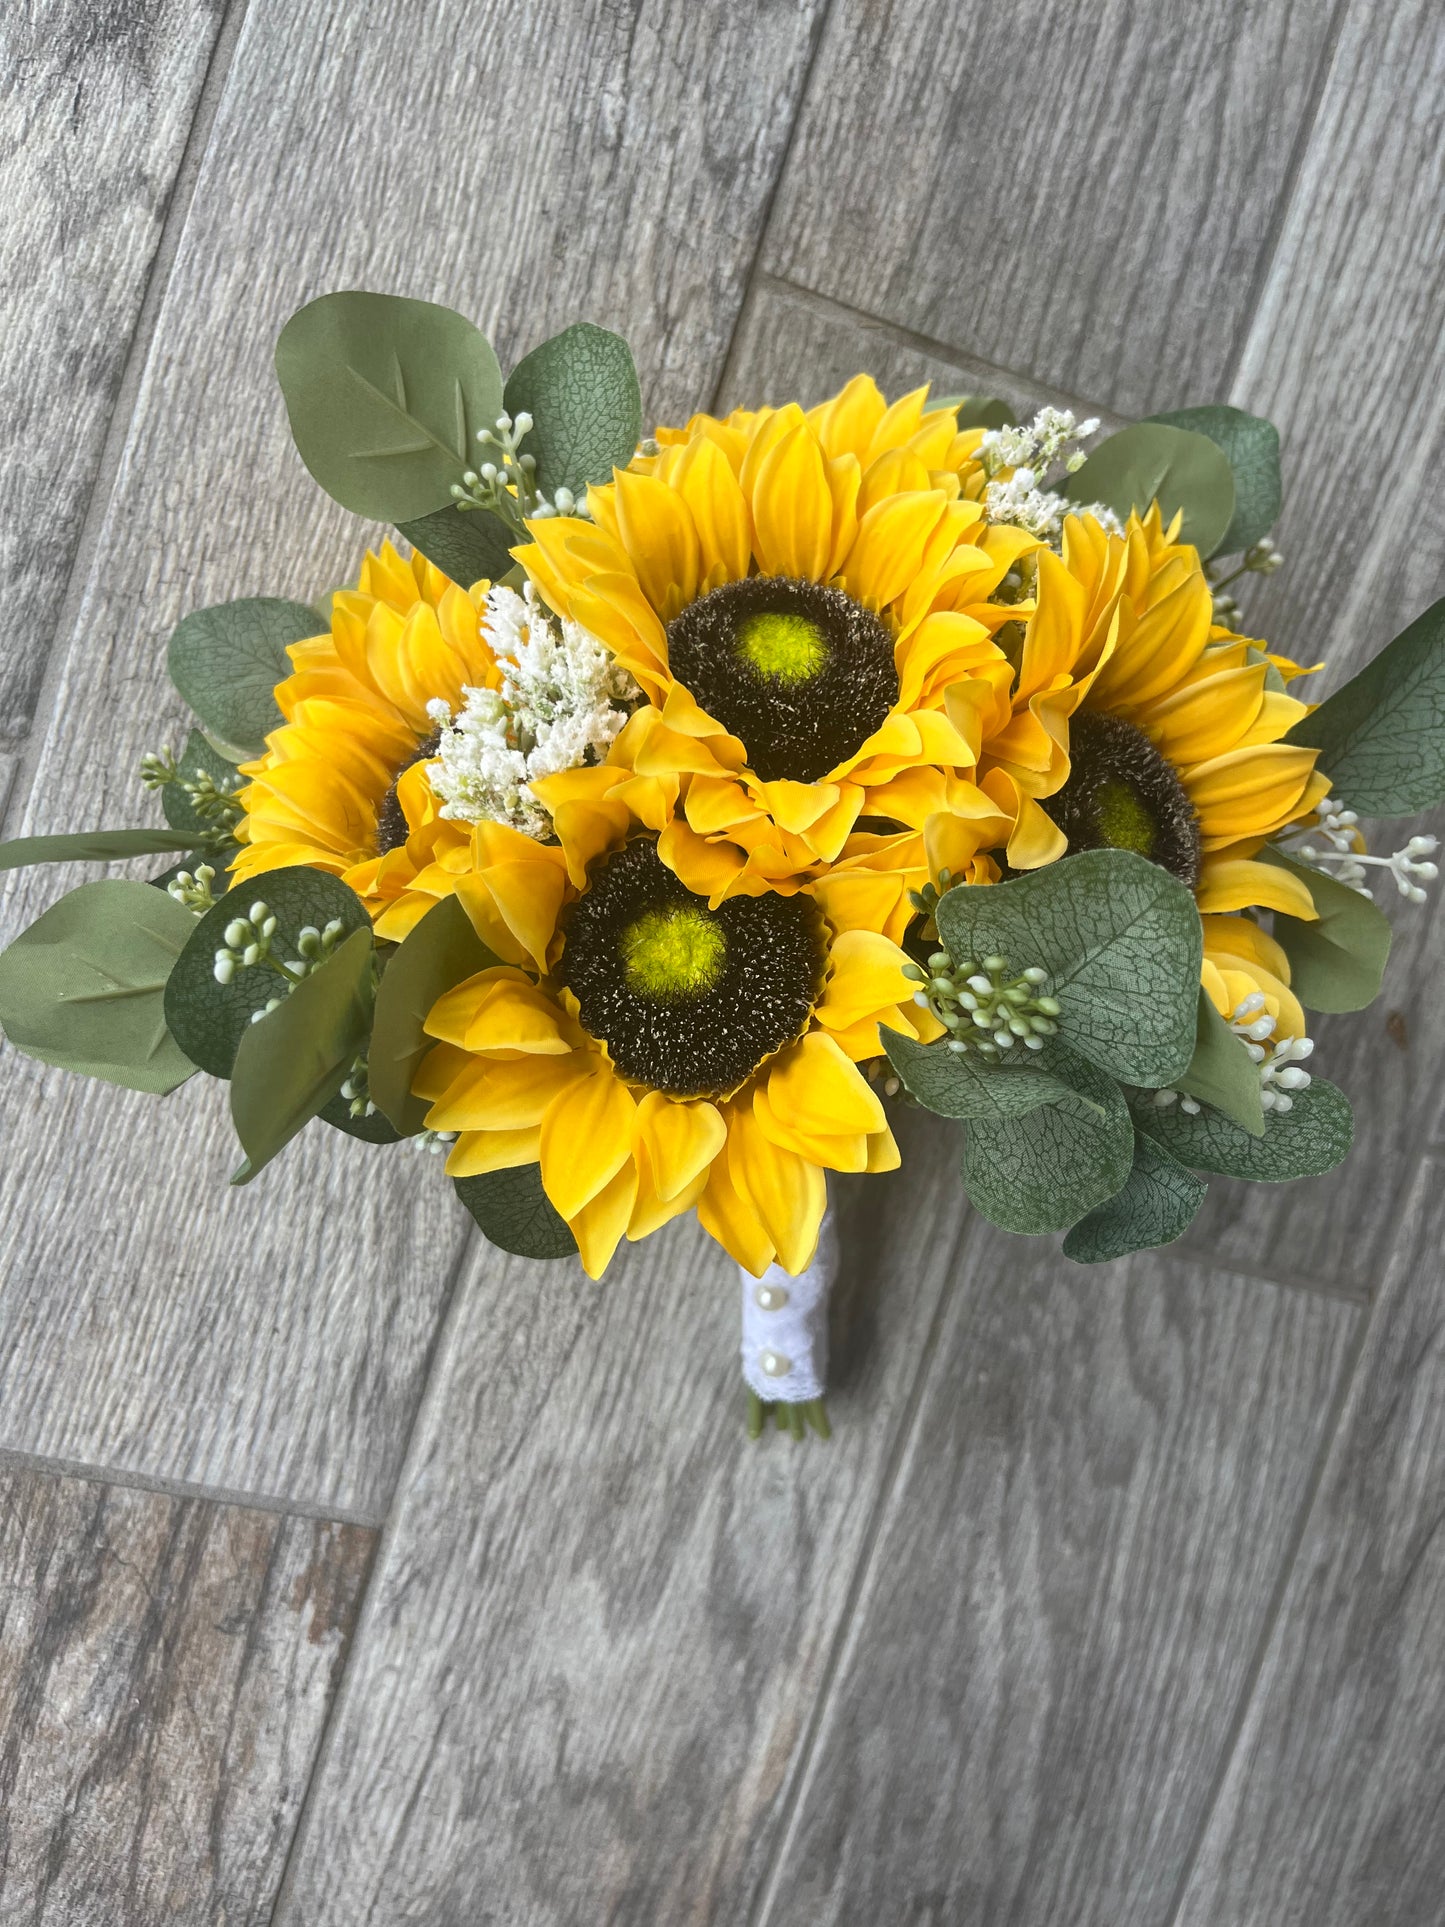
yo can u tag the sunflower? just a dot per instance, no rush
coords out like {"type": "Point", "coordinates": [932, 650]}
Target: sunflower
{"type": "Point", "coordinates": [795, 593]}
{"type": "Point", "coordinates": [343, 783]}
{"type": "Point", "coordinates": [656, 1052]}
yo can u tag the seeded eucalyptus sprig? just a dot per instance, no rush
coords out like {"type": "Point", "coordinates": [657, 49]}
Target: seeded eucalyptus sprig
{"type": "Point", "coordinates": [983, 1008]}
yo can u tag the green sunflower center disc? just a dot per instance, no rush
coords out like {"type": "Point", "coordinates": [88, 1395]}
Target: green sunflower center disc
{"type": "Point", "coordinates": [688, 1000]}
{"type": "Point", "coordinates": [678, 952]}
{"type": "Point", "coordinates": [801, 673]}
{"type": "Point", "coordinates": [1123, 795]}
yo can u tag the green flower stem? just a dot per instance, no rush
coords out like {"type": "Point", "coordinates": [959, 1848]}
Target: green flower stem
{"type": "Point", "coordinates": [788, 1418]}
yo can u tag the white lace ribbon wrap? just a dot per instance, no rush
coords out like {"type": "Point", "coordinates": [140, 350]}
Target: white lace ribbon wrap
{"type": "Point", "coordinates": [785, 1325]}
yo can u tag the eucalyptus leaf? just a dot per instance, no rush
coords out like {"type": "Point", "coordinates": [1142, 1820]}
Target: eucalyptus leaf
{"type": "Point", "coordinates": [1156, 1206]}
{"type": "Point", "coordinates": [89, 846]}
{"type": "Point", "coordinates": [954, 1084]}
{"type": "Point", "coordinates": [375, 1129]}
{"type": "Point", "coordinates": [1151, 462]}
{"type": "Point", "coordinates": [83, 988]}
{"type": "Point", "coordinates": [979, 411]}
{"type": "Point", "coordinates": [196, 759]}
{"type": "Point", "coordinates": [1252, 446]}
{"type": "Point", "coordinates": [1222, 1072]}
{"type": "Point", "coordinates": [580, 388]}
{"type": "Point", "coordinates": [1382, 737]}
{"type": "Point", "coordinates": [442, 951]}
{"type": "Point", "coordinates": [1338, 962]}
{"type": "Point", "coordinates": [469, 545]}
{"type": "Point", "coordinates": [1308, 1139]}
{"type": "Point", "coordinates": [1044, 1170]}
{"type": "Point", "coordinates": [1121, 940]}
{"type": "Point", "coordinates": [516, 1214]}
{"type": "Point", "coordinates": [295, 1060]}
{"type": "Point", "coordinates": [385, 397]}
{"type": "Point", "coordinates": [209, 1019]}
{"type": "Point", "coordinates": [227, 660]}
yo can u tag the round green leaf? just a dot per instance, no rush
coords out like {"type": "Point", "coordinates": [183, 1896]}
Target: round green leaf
{"type": "Point", "coordinates": [1043, 1171]}
{"type": "Point", "coordinates": [442, 951]}
{"type": "Point", "coordinates": [979, 411]}
{"type": "Point", "coordinates": [466, 544]}
{"type": "Point", "coordinates": [295, 1060]}
{"type": "Point", "coordinates": [1338, 962]}
{"type": "Point", "coordinates": [1251, 445]}
{"type": "Point", "coordinates": [196, 759]}
{"type": "Point", "coordinates": [1310, 1138]}
{"type": "Point", "coordinates": [83, 988]}
{"type": "Point", "coordinates": [227, 660]}
{"type": "Point", "coordinates": [1150, 462]}
{"type": "Point", "coordinates": [1155, 1207]}
{"type": "Point", "coordinates": [1382, 737]}
{"type": "Point", "coordinates": [385, 397]}
{"type": "Point", "coordinates": [1122, 942]}
{"type": "Point", "coordinates": [580, 388]}
{"type": "Point", "coordinates": [209, 1019]}
{"type": "Point", "coordinates": [516, 1214]}
{"type": "Point", "coordinates": [954, 1084]}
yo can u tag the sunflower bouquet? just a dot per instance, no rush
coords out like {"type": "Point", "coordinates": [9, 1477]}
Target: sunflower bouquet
{"type": "Point", "coordinates": [682, 803]}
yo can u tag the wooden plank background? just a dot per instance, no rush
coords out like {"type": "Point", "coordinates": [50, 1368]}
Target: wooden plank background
{"type": "Point", "coordinates": [352, 1573]}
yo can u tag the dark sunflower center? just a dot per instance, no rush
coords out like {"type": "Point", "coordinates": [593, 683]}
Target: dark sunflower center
{"type": "Point", "coordinates": [802, 674]}
{"type": "Point", "coordinates": [391, 824]}
{"type": "Point", "coordinates": [687, 999]}
{"type": "Point", "coordinates": [1123, 795]}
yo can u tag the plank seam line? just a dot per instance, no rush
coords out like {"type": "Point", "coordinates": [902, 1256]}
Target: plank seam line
{"type": "Point", "coordinates": [963, 359]}
{"type": "Point", "coordinates": [765, 218]}
{"type": "Point", "coordinates": [1273, 1611]}
{"type": "Point", "coordinates": [772, 1873]}
{"type": "Point", "coordinates": [320, 1759]}
{"type": "Point", "coordinates": [1279, 219]}
{"type": "Point", "coordinates": [12, 1459]}
{"type": "Point", "coordinates": [122, 414]}
{"type": "Point", "coordinates": [1224, 1267]}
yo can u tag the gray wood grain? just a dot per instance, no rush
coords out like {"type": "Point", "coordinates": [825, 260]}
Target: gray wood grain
{"type": "Point", "coordinates": [1346, 355]}
{"type": "Point", "coordinates": [1083, 193]}
{"type": "Point", "coordinates": [1062, 1604]}
{"type": "Point", "coordinates": [274, 1340]}
{"type": "Point", "coordinates": [95, 105]}
{"type": "Point", "coordinates": [599, 1627]}
{"type": "Point", "coordinates": [1330, 1813]}
{"type": "Point", "coordinates": [165, 1670]}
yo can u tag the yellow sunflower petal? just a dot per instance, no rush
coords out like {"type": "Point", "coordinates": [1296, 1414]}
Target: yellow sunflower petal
{"type": "Point", "coordinates": [786, 1192]}
{"type": "Point", "coordinates": [1237, 883]}
{"type": "Point", "coordinates": [793, 509]}
{"type": "Point", "coordinates": [586, 1138]}
{"type": "Point", "coordinates": [600, 1225]}
{"type": "Point", "coordinates": [725, 1215]}
{"type": "Point", "coordinates": [477, 1152]}
{"type": "Point", "coordinates": [682, 1139]}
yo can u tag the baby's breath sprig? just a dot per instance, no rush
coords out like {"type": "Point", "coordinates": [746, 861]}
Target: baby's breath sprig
{"type": "Point", "coordinates": [983, 1008]}
{"type": "Point", "coordinates": [507, 487]}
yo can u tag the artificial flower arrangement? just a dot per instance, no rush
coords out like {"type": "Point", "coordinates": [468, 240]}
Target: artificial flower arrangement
{"type": "Point", "coordinates": [682, 803]}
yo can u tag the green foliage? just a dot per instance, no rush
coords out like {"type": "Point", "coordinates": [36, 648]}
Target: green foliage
{"type": "Point", "coordinates": [84, 986]}
{"type": "Point", "coordinates": [1155, 1207]}
{"type": "Point", "coordinates": [1252, 446]}
{"type": "Point", "coordinates": [979, 411]}
{"type": "Point", "coordinates": [209, 1019]}
{"type": "Point", "coordinates": [197, 758]}
{"type": "Point", "coordinates": [295, 1060]}
{"type": "Point", "coordinates": [1179, 469]}
{"type": "Point", "coordinates": [1044, 1170]}
{"type": "Point", "coordinates": [441, 952]}
{"type": "Point", "coordinates": [1121, 940]}
{"type": "Point", "coordinates": [385, 397]}
{"type": "Point", "coordinates": [1382, 737]}
{"type": "Point", "coordinates": [516, 1214]}
{"type": "Point", "coordinates": [1221, 1072]}
{"type": "Point", "coordinates": [466, 544]}
{"type": "Point", "coordinates": [375, 1129]}
{"type": "Point", "coordinates": [957, 1084]}
{"type": "Point", "coordinates": [1338, 962]}
{"type": "Point", "coordinates": [1302, 1142]}
{"type": "Point", "coordinates": [89, 846]}
{"type": "Point", "coordinates": [227, 660]}
{"type": "Point", "coordinates": [580, 388]}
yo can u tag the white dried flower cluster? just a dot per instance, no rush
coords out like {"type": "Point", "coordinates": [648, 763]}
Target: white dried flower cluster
{"type": "Point", "coordinates": [1410, 866]}
{"type": "Point", "coordinates": [562, 702]}
{"type": "Point", "coordinates": [1031, 449]}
